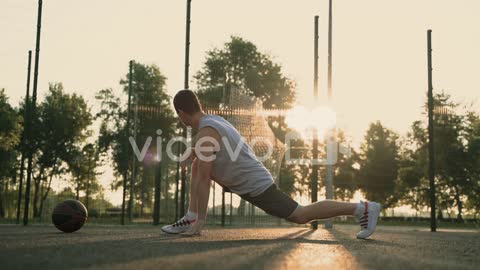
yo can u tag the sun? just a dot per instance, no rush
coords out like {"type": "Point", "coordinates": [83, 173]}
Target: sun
{"type": "Point", "coordinates": [305, 120]}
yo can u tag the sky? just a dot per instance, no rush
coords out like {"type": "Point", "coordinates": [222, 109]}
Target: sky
{"type": "Point", "coordinates": [379, 48]}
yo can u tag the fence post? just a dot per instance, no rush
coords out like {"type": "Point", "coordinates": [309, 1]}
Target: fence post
{"type": "Point", "coordinates": [223, 207]}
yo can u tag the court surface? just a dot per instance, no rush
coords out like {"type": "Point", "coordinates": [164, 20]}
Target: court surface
{"type": "Point", "coordinates": [146, 247]}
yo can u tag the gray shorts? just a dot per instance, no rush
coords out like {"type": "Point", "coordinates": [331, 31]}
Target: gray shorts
{"type": "Point", "coordinates": [273, 201]}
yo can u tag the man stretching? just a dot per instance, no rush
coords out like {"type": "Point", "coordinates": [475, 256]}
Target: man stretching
{"type": "Point", "coordinates": [222, 155]}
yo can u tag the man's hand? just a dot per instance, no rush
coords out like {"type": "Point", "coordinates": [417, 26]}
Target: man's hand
{"type": "Point", "coordinates": [189, 160]}
{"type": "Point", "coordinates": [196, 229]}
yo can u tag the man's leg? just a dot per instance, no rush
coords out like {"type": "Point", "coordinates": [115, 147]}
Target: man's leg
{"type": "Point", "coordinates": [322, 210]}
{"type": "Point", "coordinates": [365, 212]}
{"type": "Point", "coordinates": [192, 204]}
{"type": "Point", "coordinates": [279, 204]}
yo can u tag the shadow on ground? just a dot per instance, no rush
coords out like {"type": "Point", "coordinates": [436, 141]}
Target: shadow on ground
{"type": "Point", "coordinates": [145, 247]}
{"type": "Point", "coordinates": [412, 248]}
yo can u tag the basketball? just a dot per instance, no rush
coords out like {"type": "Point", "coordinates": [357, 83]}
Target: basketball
{"type": "Point", "coordinates": [69, 216]}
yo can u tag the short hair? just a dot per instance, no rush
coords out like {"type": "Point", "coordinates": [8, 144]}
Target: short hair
{"type": "Point", "coordinates": [187, 101]}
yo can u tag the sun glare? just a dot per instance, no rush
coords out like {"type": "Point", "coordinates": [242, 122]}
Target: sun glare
{"type": "Point", "coordinates": [304, 120]}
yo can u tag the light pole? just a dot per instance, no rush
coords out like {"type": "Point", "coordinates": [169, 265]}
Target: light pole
{"type": "Point", "coordinates": [329, 167]}
{"type": "Point", "coordinates": [431, 143]}
{"type": "Point", "coordinates": [31, 113]}
{"type": "Point", "coordinates": [133, 176]}
{"type": "Point", "coordinates": [186, 86]}
{"type": "Point", "coordinates": [24, 142]}
{"type": "Point", "coordinates": [315, 166]}
{"type": "Point", "coordinates": [127, 133]}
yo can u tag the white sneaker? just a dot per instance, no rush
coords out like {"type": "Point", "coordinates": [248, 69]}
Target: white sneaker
{"type": "Point", "coordinates": [182, 225]}
{"type": "Point", "coordinates": [368, 219]}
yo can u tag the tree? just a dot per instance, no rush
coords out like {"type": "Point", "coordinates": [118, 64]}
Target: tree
{"type": "Point", "coordinates": [10, 134]}
{"type": "Point", "coordinates": [83, 169]}
{"type": "Point", "coordinates": [152, 103]}
{"type": "Point", "coordinates": [239, 65]}
{"type": "Point", "coordinates": [113, 133]}
{"type": "Point", "coordinates": [472, 137]}
{"type": "Point", "coordinates": [457, 153]}
{"type": "Point", "coordinates": [379, 165]}
{"type": "Point", "coordinates": [344, 182]}
{"type": "Point", "coordinates": [60, 127]}
{"type": "Point", "coordinates": [413, 184]}
{"type": "Point", "coordinates": [154, 113]}
{"type": "Point", "coordinates": [457, 158]}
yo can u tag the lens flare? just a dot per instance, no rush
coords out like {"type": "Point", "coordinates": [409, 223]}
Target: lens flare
{"type": "Point", "coordinates": [304, 120]}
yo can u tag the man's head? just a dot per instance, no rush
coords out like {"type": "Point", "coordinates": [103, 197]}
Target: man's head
{"type": "Point", "coordinates": [187, 106]}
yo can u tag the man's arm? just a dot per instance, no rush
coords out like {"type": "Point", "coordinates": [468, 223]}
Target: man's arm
{"type": "Point", "coordinates": [205, 148]}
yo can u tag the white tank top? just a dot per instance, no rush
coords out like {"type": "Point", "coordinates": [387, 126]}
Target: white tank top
{"type": "Point", "coordinates": [242, 173]}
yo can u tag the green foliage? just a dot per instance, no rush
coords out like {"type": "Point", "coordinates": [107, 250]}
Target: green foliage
{"type": "Point", "coordinates": [151, 103]}
{"type": "Point", "coordinates": [472, 137]}
{"type": "Point", "coordinates": [457, 157]}
{"type": "Point", "coordinates": [344, 183]}
{"type": "Point", "coordinates": [113, 132]}
{"type": "Point", "coordinates": [148, 86]}
{"type": "Point", "coordinates": [379, 165]}
{"type": "Point", "coordinates": [83, 169]}
{"type": "Point", "coordinates": [412, 186]}
{"type": "Point", "coordinates": [63, 120]}
{"type": "Point", "coordinates": [10, 133]}
{"type": "Point", "coordinates": [10, 129]}
{"type": "Point", "coordinates": [239, 64]}
{"type": "Point", "coordinates": [59, 128]}
{"type": "Point", "coordinates": [456, 153]}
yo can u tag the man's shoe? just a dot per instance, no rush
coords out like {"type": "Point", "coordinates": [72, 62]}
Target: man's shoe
{"type": "Point", "coordinates": [182, 225]}
{"type": "Point", "coordinates": [368, 219]}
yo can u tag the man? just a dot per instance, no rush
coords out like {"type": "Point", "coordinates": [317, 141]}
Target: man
{"type": "Point", "coordinates": [222, 155]}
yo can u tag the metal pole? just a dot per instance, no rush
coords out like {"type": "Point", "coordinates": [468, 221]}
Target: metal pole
{"type": "Point", "coordinates": [24, 141]}
{"type": "Point", "coordinates": [127, 128]}
{"type": "Point", "coordinates": [187, 186]}
{"type": "Point", "coordinates": [231, 208]}
{"type": "Point", "coordinates": [124, 193]}
{"type": "Point", "coordinates": [329, 168]}
{"type": "Point", "coordinates": [315, 62]}
{"type": "Point", "coordinates": [177, 180]}
{"type": "Point", "coordinates": [87, 192]}
{"type": "Point", "coordinates": [167, 187]}
{"type": "Point", "coordinates": [431, 142]}
{"type": "Point", "coordinates": [132, 178]}
{"type": "Point", "coordinates": [330, 51]}
{"type": "Point", "coordinates": [32, 113]}
{"type": "Point", "coordinates": [213, 202]}
{"type": "Point", "coordinates": [223, 208]}
{"type": "Point", "coordinates": [253, 214]}
{"type": "Point", "coordinates": [187, 45]}
{"type": "Point", "coordinates": [182, 191]}
{"type": "Point", "coordinates": [186, 86]}
{"type": "Point", "coordinates": [315, 167]}
{"type": "Point", "coordinates": [158, 186]}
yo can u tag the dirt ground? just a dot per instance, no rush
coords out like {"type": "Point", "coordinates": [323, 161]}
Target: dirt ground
{"type": "Point", "coordinates": [146, 247]}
